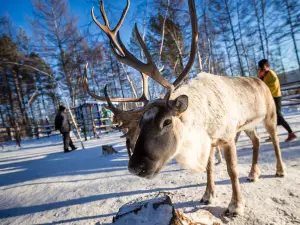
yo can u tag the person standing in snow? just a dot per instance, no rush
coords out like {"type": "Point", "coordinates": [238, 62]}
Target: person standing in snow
{"type": "Point", "coordinates": [271, 80]}
{"type": "Point", "coordinates": [63, 124]}
{"type": "Point", "coordinates": [48, 129]}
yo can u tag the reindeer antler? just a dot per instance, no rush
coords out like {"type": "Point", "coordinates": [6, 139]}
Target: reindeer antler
{"type": "Point", "coordinates": [106, 28]}
{"type": "Point", "coordinates": [122, 54]}
{"type": "Point", "coordinates": [143, 97]}
{"type": "Point", "coordinates": [130, 119]}
{"type": "Point", "coordinates": [147, 69]}
{"type": "Point", "coordinates": [194, 41]}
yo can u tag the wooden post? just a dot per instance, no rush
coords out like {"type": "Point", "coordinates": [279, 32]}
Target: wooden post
{"type": "Point", "coordinates": [93, 122]}
{"type": "Point", "coordinates": [18, 134]}
{"type": "Point", "coordinates": [9, 133]}
{"type": "Point", "coordinates": [84, 127]}
{"type": "Point", "coordinates": [99, 114]}
{"type": "Point", "coordinates": [87, 119]}
{"type": "Point", "coordinates": [37, 131]}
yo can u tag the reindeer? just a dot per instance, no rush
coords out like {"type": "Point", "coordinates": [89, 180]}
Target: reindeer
{"type": "Point", "coordinates": [194, 117]}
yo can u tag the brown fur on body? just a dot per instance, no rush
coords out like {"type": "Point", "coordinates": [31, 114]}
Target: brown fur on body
{"type": "Point", "coordinates": [218, 108]}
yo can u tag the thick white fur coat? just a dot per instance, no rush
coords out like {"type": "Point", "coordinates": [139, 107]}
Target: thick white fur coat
{"type": "Point", "coordinates": [218, 108]}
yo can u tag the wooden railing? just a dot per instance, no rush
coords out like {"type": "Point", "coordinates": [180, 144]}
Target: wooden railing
{"type": "Point", "coordinates": [291, 94]}
{"type": "Point", "coordinates": [86, 127]}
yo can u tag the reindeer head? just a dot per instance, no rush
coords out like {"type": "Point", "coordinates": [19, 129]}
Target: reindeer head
{"type": "Point", "coordinates": [159, 139]}
{"type": "Point", "coordinates": [156, 124]}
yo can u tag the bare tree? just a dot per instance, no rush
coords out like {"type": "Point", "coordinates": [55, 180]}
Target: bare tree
{"type": "Point", "coordinates": [291, 23]}
{"type": "Point", "coordinates": [57, 34]}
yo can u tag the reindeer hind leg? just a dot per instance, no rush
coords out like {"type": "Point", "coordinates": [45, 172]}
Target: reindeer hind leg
{"type": "Point", "coordinates": [219, 153]}
{"type": "Point", "coordinates": [270, 124]}
{"type": "Point", "coordinates": [254, 172]}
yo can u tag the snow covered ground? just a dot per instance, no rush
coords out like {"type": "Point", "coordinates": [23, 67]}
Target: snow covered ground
{"type": "Point", "coordinates": [39, 184]}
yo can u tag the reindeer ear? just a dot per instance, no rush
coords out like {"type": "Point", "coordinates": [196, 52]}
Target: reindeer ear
{"type": "Point", "coordinates": [181, 103]}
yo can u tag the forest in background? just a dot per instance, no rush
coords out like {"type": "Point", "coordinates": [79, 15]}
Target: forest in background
{"type": "Point", "coordinates": [233, 36]}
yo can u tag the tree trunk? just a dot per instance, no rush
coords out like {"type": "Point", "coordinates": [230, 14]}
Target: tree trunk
{"type": "Point", "coordinates": [281, 60]}
{"type": "Point", "coordinates": [177, 44]}
{"type": "Point", "coordinates": [20, 101]}
{"type": "Point", "coordinates": [228, 55]}
{"type": "Point", "coordinates": [112, 72]}
{"type": "Point", "coordinates": [259, 29]}
{"type": "Point", "coordinates": [32, 113]}
{"type": "Point", "coordinates": [206, 33]}
{"type": "Point", "coordinates": [25, 109]}
{"type": "Point", "coordinates": [163, 31]}
{"type": "Point", "coordinates": [43, 102]}
{"type": "Point", "coordinates": [119, 76]}
{"type": "Point", "coordinates": [263, 7]}
{"type": "Point", "coordinates": [241, 37]}
{"type": "Point", "coordinates": [255, 61]}
{"type": "Point", "coordinates": [62, 55]}
{"type": "Point", "coordinates": [234, 38]}
{"type": "Point", "coordinates": [54, 101]}
{"type": "Point", "coordinates": [40, 111]}
{"type": "Point", "coordinates": [213, 62]}
{"type": "Point", "coordinates": [2, 118]}
{"type": "Point", "coordinates": [130, 81]}
{"type": "Point", "coordinates": [292, 31]}
{"type": "Point", "coordinates": [199, 59]}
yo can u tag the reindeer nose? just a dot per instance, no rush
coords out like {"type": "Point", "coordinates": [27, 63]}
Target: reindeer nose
{"type": "Point", "coordinates": [136, 169]}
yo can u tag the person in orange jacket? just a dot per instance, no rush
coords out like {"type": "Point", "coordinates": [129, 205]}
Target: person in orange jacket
{"type": "Point", "coordinates": [271, 80]}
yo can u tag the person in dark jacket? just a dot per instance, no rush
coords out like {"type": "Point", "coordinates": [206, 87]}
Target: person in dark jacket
{"type": "Point", "coordinates": [62, 123]}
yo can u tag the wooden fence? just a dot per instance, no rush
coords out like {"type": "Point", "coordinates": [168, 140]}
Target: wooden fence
{"type": "Point", "coordinates": [86, 127]}
{"type": "Point", "coordinates": [291, 94]}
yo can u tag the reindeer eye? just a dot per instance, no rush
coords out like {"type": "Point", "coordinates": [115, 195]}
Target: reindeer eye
{"type": "Point", "coordinates": [167, 122]}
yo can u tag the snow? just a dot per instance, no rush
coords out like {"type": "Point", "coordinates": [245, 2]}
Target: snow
{"type": "Point", "coordinates": [39, 184]}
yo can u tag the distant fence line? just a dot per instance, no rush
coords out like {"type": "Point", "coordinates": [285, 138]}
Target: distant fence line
{"type": "Point", "coordinates": [291, 93]}
{"type": "Point", "coordinates": [87, 129]}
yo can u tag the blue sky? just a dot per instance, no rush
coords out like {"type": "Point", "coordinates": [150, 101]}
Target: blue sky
{"type": "Point", "coordinates": [19, 10]}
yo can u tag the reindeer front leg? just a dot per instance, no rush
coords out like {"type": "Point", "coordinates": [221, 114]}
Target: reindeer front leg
{"type": "Point", "coordinates": [236, 205]}
{"type": "Point", "coordinates": [128, 146]}
{"type": "Point", "coordinates": [210, 195]}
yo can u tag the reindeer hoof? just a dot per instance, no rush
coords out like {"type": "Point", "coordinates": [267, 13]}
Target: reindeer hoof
{"type": "Point", "coordinates": [280, 174]}
{"type": "Point", "coordinates": [208, 198]}
{"type": "Point", "coordinates": [227, 213]}
{"type": "Point", "coordinates": [219, 162]}
{"type": "Point", "coordinates": [254, 174]}
{"type": "Point", "coordinates": [280, 170]}
{"type": "Point", "coordinates": [253, 178]}
{"type": "Point", "coordinates": [205, 202]}
{"type": "Point", "coordinates": [235, 208]}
